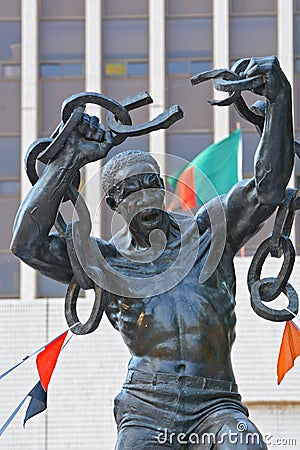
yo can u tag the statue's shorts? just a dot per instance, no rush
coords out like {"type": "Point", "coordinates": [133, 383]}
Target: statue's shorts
{"type": "Point", "coordinates": [166, 411]}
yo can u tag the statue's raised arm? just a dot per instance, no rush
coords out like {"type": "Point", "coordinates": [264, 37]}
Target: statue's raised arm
{"type": "Point", "coordinates": [79, 140]}
{"type": "Point", "coordinates": [32, 241]}
{"type": "Point", "coordinates": [252, 201]}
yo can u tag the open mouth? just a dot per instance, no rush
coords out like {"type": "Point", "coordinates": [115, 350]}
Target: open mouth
{"type": "Point", "coordinates": [149, 217]}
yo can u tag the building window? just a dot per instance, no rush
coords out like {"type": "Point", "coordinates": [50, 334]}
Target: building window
{"type": "Point", "coordinates": [46, 286]}
{"type": "Point", "coordinates": [10, 88]}
{"type": "Point", "coordinates": [256, 24]}
{"type": "Point", "coordinates": [252, 32]}
{"type": "Point", "coordinates": [129, 8]}
{"type": "Point", "coordinates": [187, 57]}
{"type": "Point", "coordinates": [62, 56]}
{"type": "Point", "coordinates": [125, 72]}
{"type": "Point", "coordinates": [253, 23]}
{"type": "Point", "coordinates": [189, 7]}
{"type": "Point", "coordinates": [61, 40]}
{"type": "Point", "coordinates": [61, 8]}
{"type": "Point", "coordinates": [125, 38]}
{"type": "Point", "coordinates": [255, 7]}
{"type": "Point", "coordinates": [9, 202]}
{"type": "Point", "coordinates": [124, 69]}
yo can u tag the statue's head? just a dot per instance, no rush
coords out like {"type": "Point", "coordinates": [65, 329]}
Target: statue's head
{"type": "Point", "coordinates": [134, 189]}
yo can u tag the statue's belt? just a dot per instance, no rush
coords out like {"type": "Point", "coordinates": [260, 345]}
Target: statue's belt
{"type": "Point", "coordinates": [138, 377]}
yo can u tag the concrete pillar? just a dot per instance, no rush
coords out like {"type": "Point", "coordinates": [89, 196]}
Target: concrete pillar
{"type": "Point", "coordinates": [285, 27]}
{"type": "Point", "coordinates": [157, 76]}
{"type": "Point", "coordinates": [29, 114]}
{"type": "Point", "coordinates": [221, 60]}
{"type": "Point", "coordinates": [93, 64]}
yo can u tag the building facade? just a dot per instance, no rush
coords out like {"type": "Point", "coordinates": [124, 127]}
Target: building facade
{"type": "Point", "coordinates": [50, 50]}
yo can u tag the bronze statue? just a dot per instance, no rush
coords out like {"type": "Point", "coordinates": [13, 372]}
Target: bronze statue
{"type": "Point", "coordinates": [180, 391]}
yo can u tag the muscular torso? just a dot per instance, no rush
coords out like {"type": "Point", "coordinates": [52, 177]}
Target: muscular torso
{"type": "Point", "coordinates": [188, 328]}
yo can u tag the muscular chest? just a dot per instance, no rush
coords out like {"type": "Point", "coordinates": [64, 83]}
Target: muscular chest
{"type": "Point", "coordinates": [189, 308]}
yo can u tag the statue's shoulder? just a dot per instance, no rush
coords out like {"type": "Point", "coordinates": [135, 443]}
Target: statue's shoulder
{"type": "Point", "coordinates": [214, 210]}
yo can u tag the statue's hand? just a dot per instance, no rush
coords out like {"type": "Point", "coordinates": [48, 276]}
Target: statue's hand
{"type": "Point", "coordinates": [276, 84]}
{"type": "Point", "coordinates": [89, 141]}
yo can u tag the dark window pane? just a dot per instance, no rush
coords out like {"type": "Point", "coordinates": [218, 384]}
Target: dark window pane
{"type": "Point", "coordinates": [62, 70]}
{"type": "Point", "coordinates": [11, 71]}
{"type": "Point", "coordinates": [128, 8]}
{"type": "Point", "coordinates": [190, 7]}
{"type": "Point", "coordinates": [200, 66]}
{"type": "Point", "coordinates": [9, 276]}
{"type": "Point", "coordinates": [255, 241]}
{"type": "Point", "coordinates": [188, 67]}
{"type": "Point", "coordinates": [297, 5]}
{"type": "Point", "coordinates": [236, 119]}
{"type": "Point", "coordinates": [133, 143]}
{"type": "Point", "coordinates": [250, 142]}
{"type": "Point", "coordinates": [297, 160]}
{"type": "Point", "coordinates": [62, 8]}
{"type": "Point", "coordinates": [10, 35]}
{"type": "Point", "coordinates": [11, 8]}
{"type": "Point", "coordinates": [297, 100]}
{"type": "Point", "coordinates": [53, 93]}
{"type": "Point", "coordinates": [176, 67]}
{"type": "Point", "coordinates": [10, 157]}
{"type": "Point", "coordinates": [197, 41]}
{"type": "Point", "coordinates": [136, 143]}
{"type": "Point", "coordinates": [50, 288]}
{"type": "Point", "coordinates": [252, 36]}
{"type": "Point", "coordinates": [125, 39]}
{"type": "Point", "coordinates": [9, 188]}
{"type": "Point", "coordinates": [137, 69]}
{"type": "Point", "coordinates": [9, 107]}
{"type": "Point", "coordinates": [46, 286]}
{"type": "Point", "coordinates": [182, 148]}
{"type": "Point", "coordinates": [50, 70]}
{"type": "Point", "coordinates": [8, 209]}
{"type": "Point", "coordinates": [73, 69]}
{"type": "Point", "coordinates": [116, 90]}
{"type": "Point", "coordinates": [68, 212]}
{"type": "Point", "coordinates": [255, 6]}
{"type": "Point", "coordinates": [62, 40]}
{"type": "Point", "coordinates": [198, 113]}
{"type": "Point", "coordinates": [297, 34]}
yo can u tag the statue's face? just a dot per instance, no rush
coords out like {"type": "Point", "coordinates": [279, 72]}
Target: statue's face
{"type": "Point", "coordinates": [138, 196]}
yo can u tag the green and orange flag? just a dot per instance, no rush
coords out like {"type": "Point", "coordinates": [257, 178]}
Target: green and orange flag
{"type": "Point", "coordinates": [212, 172]}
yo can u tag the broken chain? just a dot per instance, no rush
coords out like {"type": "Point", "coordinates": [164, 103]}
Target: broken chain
{"type": "Point", "coordinates": [267, 289]}
{"type": "Point", "coordinates": [46, 149]}
{"type": "Point", "coordinates": [278, 244]}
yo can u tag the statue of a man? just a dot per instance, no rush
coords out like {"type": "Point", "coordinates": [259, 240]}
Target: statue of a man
{"type": "Point", "coordinates": [180, 381]}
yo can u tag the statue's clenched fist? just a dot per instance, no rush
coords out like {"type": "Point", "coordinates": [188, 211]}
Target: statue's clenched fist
{"type": "Point", "coordinates": [89, 141]}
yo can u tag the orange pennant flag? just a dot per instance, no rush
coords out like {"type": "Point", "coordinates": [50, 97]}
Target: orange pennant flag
{"type": "Point", "coordinates": [289, 349]}
{"type": "Point", "coordinates": [46, 360]}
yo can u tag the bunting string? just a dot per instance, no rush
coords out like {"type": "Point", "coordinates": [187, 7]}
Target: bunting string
{"type": "Point", "coordinates": [7, 372]}
{"type": "Point", "coordinates": [45, 368]}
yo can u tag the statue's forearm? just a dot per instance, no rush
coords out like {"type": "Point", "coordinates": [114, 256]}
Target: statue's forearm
{"type": "Point", "coordinates": [274, 158]}
{"type": "Point", "coordinates": [37, 213]}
